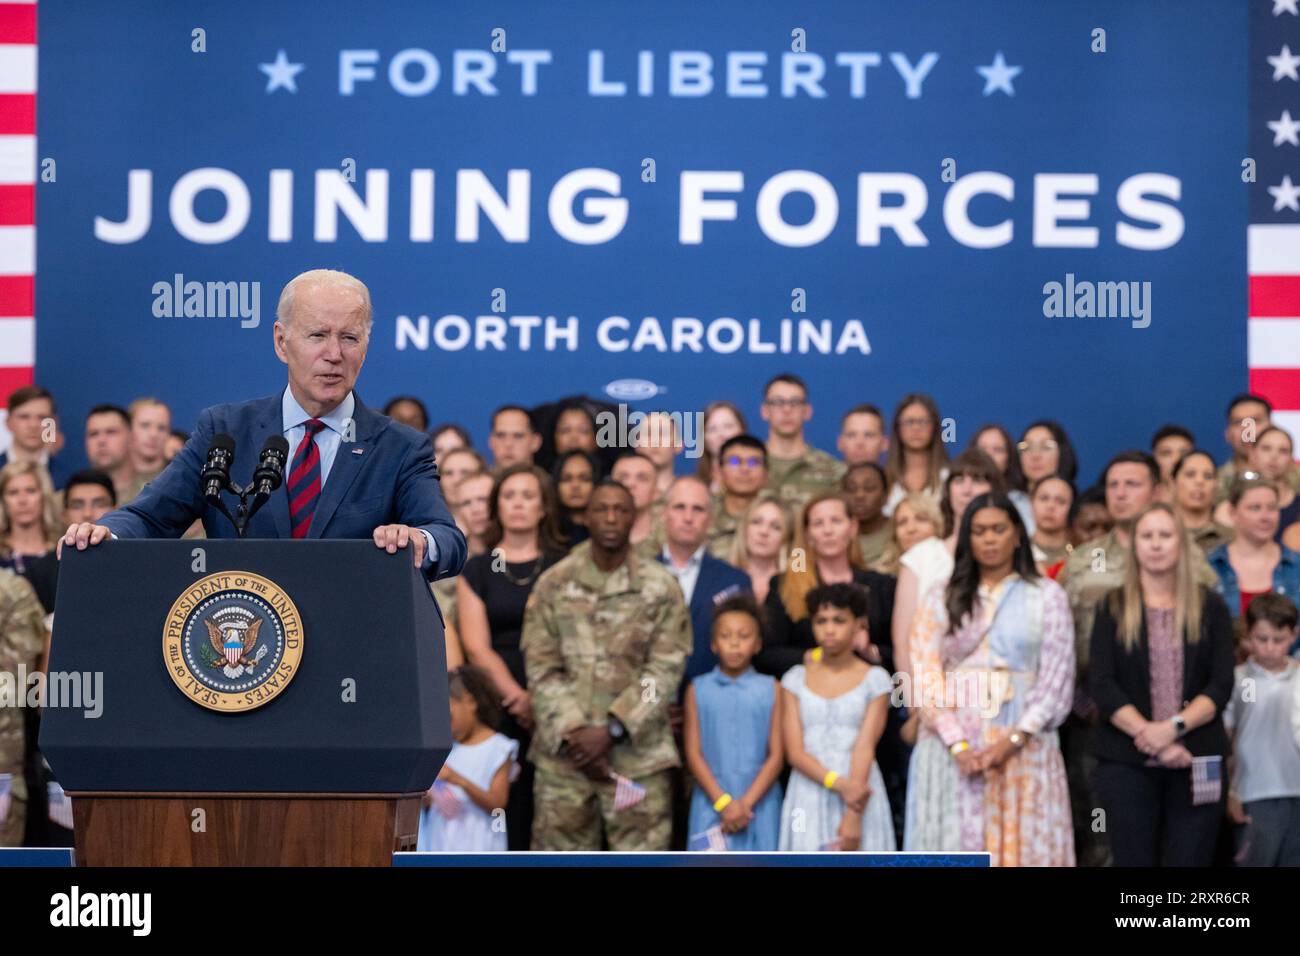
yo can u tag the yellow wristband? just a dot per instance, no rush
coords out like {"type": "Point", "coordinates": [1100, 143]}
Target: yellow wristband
{"type": "Point", "coordinates": [722, 802]}
{"type": "Point", "coordinates": [828, 781]}
{"type": "Point", "coordinates": [958, 747]}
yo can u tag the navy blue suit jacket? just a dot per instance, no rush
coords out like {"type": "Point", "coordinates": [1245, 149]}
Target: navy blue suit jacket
{"type": "Point", "coordinates": [718, 581]}
{"type": "Point", "coordinates": [386, 476]}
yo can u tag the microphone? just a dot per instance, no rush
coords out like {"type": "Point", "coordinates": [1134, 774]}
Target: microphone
{"type": "Point", "coordinates": [270, 465]}
{"type": "Point", "coordinates": [216, 470]}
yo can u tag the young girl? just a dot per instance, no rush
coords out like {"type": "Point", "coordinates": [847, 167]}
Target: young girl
{"type": "Point", "coordinates": [833, 715]}
{"type": "Point", "coordinates": [464, 809]}
{"type": "Point", "coordinates": [733, 736]}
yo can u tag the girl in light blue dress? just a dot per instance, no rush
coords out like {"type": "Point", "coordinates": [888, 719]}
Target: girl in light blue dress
{"type": "Point", "coordinates": [464, 810]}
{"type": "Point", "coordinates": [834, 714]}
{"type": "Point", "coordinates": [732, 740]}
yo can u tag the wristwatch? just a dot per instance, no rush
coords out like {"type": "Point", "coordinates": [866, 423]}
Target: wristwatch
{"type": "Point", "coordinates": [1180, 725]}
{"type": "Point", "coordinates": [617, 732]}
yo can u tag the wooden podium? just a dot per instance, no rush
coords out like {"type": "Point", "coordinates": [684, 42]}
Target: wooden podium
{"type": "Point", "coordinates": [271, 829]}
{"type": "Point", "coordinates": [328, 772]}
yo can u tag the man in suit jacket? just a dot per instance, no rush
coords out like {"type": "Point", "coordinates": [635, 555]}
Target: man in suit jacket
{"type": "Point", "coordinates": [704, 579]}
{"type": "Point", "coordinates": [351, 472]}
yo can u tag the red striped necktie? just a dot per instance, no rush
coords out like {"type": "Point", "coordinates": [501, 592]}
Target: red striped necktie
{"type": "Point", "coordinates": [304, 480]}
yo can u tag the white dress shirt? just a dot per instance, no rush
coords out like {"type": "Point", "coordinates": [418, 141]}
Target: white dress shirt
{"type": "Point", "coordinates": [687, 576]}
{"type": "Point", "coordinates": [328, 440]}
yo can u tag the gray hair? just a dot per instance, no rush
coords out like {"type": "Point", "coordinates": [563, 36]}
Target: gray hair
{"type": "Point", "coordinates": [316, 278]}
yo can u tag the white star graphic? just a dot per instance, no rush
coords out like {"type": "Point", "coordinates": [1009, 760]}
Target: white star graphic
{"type": "Point", "coordinates": [1288, 5]}
{"type": "Point", "coordinates": [281, 73]}
{"type": "Point", "coordinates": [1285, 130]}
{"type": "Point", "coordinates": [999, 76]}
{"type": "Point", "coordinates": [1286, 195]}
{"type": "Point", "coordinates": [1284, 64]}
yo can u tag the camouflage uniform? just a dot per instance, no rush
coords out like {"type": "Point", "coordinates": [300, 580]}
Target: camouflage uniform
{"type": "Point", "coordinates": [22, 639]}
{"type": "Point", "coordinates": [722, 530]}
{"type": "Point", "coordinates": [599, 645]}
{"type": "Point", "coordinates": [1228, 475]}
{"type": "Point", "coordinates": [1209, 536]}
{"type": "Point", "coordinates": [873, 546]}
{"type": "Point", "coordinates": [798, 479]}
{"type": "Point", "coordinates": [1094, 569]}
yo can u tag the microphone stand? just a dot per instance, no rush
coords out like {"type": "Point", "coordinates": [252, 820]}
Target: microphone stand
{"type": "Point", "coordinates": [243, 511]}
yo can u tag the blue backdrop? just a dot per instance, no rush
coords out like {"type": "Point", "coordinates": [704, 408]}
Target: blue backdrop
{"type": "Point", "coordinates": [943, 302]}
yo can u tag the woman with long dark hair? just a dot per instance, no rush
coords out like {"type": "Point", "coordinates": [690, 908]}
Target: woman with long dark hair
{"type": "Point", "coordinates": [917, 457]}
{"type": "Point", "coordinates": [1045, 449]}
{"type": "Point", "coordinates": [522, 541]}
{"type": "Point", "coordinates": [993, 677]}
{"type": "Point", "coordinates": [1161, 674]}
{"type": "Point", "coordinates": [995, 441]}
{"type": "Point", "coordinates": [575, 475]}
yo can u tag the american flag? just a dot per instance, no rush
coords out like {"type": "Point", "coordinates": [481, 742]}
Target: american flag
{"type": "Point", "coordinates": [1207, 780]}
{"type": "Point", "coordinates": [627, 792]}
{"type": "Point", "coordinates": [445, 801]}
{"type": "Point", "coordinates": [712, 840]}
{"type": "Point", "coordinates": [17, 195]}
{"type": "Point", "coordinates": [1273, 243]}
{"type": "Point", "coordinates": [60, 806]}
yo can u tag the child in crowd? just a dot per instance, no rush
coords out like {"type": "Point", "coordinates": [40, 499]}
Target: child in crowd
{"type": "Point", "coordinates": [833, 714]}
{"type": "Point", "coordinates": [1265, 795]}
{"type": "Point", "coordinates": [732, 736]}
{"type": "Point", "coordinates": [464, 810]}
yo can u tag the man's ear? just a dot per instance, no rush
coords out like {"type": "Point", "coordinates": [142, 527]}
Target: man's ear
{"type": "Point", "coordinates": [278, 334]}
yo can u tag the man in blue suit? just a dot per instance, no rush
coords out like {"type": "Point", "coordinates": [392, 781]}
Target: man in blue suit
{"type": "Point", "coordinates": [351, 472]}
{"type": "Point", "coordinates": [705, 580]}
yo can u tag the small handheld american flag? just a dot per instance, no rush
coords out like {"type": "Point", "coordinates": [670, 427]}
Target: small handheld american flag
{"type": "Point", "coordinates": [1207, 780]}
{"type": "Point", "coordinates": [60, 806]}
{"type": "Point", "coordinates": [627, 792]}
{"type": "Point", "coordinates": [712, 840]}
{"type": "Point", "coordinates": [445, 801]}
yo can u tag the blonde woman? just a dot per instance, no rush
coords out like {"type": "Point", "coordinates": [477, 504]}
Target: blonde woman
{"type": "Point", "coordinates": [825, 552]}
{"type": "Point", "coordinates": [28, 530]}
{"type": "Point", "coordinates": [1161, 674]}
{"type": "Point", "coordinates": [762, 542]}
{"type": "Point", "coordinates": [916, 519]}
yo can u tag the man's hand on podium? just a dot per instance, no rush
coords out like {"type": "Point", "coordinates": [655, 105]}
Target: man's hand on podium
{"type": "Point", "coordinates": [394, 536]}
{"type": "Point", "coordinates": [79, 536]}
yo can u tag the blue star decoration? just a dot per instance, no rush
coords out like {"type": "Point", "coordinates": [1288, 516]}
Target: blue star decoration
{"type": "Point", "coordinates": [999, 76]}
{"type": "Point", "coordinates": [281, 73]}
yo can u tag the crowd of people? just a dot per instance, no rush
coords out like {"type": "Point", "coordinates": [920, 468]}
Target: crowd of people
{"type": "Point", "coordinates": [902, 646]}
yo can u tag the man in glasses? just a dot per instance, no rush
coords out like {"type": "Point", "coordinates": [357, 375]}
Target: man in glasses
{"type": "Point", "coordinates": [795, 469]}
{"type": "Point", "coordinates": [743, 461]}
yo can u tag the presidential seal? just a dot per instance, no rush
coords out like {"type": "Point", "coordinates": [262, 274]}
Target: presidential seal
{"type": "Point", "coordinates": [233, 641]}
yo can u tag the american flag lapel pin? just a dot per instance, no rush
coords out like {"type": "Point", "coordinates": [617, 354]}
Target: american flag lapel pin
{"type": "Point", "coordinates": [357, 451]}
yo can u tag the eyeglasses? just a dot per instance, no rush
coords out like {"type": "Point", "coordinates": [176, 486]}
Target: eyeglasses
{"type": "Point", "coordinates": [1047, 444]}
{"type": "Point", "coordinates": [753, 461]}
{"type": "Point", "coordinates": [786, 402]}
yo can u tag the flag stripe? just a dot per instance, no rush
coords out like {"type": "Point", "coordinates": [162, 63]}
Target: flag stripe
{"type": "Point", "coordinates": [1273, 250]}
{"type": "Point", "coordinates": [17, 296]}
{"type": "Point", "coordinates": [17, 68]}
{"type": "Point", "coordinates": [13, 377]}
{"type": "Point", "coordinates": [17, 23]}
{"type": "Point", "coordinates": [1274, 296]}
{"type": "Point", "coordinates": [18, 113]}
{"type": "Point", "coordinates": [1281, 386]}
{"type": "Point", "coordinates": [1273, 342]}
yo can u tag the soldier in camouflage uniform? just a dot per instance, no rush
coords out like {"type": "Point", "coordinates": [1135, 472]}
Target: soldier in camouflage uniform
{"type": "Point", "coordinates": [796, 470]}
{"type": "Point", "coordinates": [742, 468]}
{"type": "Point", "coordinates": [605, 640]}
{"type": "Point", "coordinates": [1248, 417]}
{"type": "Point", "coordinates": [1094, 569]}
{"type": "Point", "coordinates": [22, 641]}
